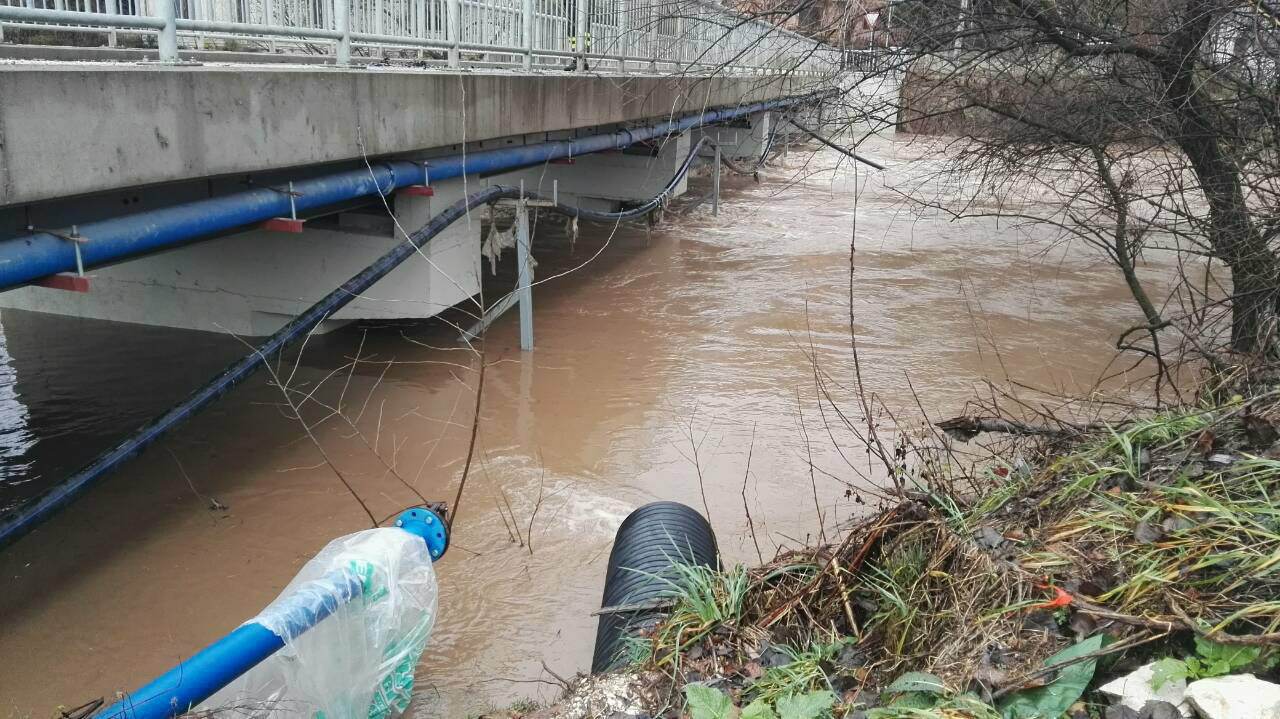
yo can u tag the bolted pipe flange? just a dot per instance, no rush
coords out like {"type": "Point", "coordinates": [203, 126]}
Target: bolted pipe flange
{"type": "Point", "coordinates": [428, 525]}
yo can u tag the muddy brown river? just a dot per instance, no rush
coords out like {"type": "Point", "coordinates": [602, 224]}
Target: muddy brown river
{"type": "Point", "coordinates": [659, 366]}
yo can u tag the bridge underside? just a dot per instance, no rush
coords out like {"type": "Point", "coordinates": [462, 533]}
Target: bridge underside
{"type": "Point", "coordinates": [79, 145]}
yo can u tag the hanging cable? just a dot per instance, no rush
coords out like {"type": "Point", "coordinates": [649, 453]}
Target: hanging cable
{"type": "Point", "coordinates": [837, 148]}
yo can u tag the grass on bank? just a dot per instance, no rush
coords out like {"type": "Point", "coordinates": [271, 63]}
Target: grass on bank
{"type": "Point", "coordinates": [1160, 538]}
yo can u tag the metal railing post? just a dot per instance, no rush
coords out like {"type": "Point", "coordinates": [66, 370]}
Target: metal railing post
{"type": "Point", "coordinates": [167, 42]}
{"type": "Point", "coordinates": [680, 40]}
{"type": "Point", "coordinates": [269, 17]}
{"type": "Point", "coordinates": [581, 34]}
{"type": "Point", "coordinates": [454, 19]}
{"type": "Point", "coordinates": [342, 23]}
{"type": "Point", "coordinates": [526, 18]}
{"type": "Point", "coordinates": [654, 48]}
{"type": "Point", "coordinates": [623, 40]}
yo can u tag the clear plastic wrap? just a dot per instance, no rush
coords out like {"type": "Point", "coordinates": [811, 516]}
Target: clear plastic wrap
{"type": "Point", "coordinates": [358, 662]}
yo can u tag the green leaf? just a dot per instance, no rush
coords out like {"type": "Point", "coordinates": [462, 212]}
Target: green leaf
{"type": "Point", "coordinates": [1223, 658]}
{"type": "Point", "coordinates": [1054, 699]}
{"type": "Point", "coordinates": [758, 709]}
{"type": "Point", "coordinates": [916, 682]}
{"type": "Point", "coordinates": [708, 702]}
{"type": "Point", "coordinates": [806, 706]}
{"type": "Point", "coordinates": [914, 700]}
{"type": "Point", "coordinates": [1168, 670]}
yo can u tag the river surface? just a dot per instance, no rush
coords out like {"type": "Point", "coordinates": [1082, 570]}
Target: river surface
{"type": "Point", "coordinates": [660, 367]}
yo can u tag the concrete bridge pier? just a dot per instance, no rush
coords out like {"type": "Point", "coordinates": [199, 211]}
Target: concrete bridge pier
{"type": "Point", "coordinates": [606, 180]}
{"type": "Point", "coordinates": [740, 141]}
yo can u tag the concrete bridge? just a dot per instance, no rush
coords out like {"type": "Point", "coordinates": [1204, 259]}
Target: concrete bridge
{"type": "Point", "coordinates": [276, 167]}
{"type": "Point", "coordinates": [107, 165]}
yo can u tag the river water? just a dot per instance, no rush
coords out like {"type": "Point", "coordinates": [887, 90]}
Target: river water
{"type": "Point", "coordinates": [660, 366]}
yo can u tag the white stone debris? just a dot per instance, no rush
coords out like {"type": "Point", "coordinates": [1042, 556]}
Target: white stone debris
{"type": "Point", "coordinates": [609, 695]}
{"type": "Point", "coordinates": [1137, 688]}
{"type": "Point", "coordinates": [1240, 696]}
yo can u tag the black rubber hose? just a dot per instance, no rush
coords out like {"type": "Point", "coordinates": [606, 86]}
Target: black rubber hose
{"type": "Point", "coordinates": [837, 148]}
{"type": "Point", "coordinates": [650, 541]}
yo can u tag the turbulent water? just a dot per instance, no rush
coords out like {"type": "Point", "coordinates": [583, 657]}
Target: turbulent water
{"type": "Point", "coordinates": [661, 367]}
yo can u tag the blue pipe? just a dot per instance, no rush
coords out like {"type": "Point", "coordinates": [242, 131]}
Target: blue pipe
{"type": "Point", "coordinates": [212, 668]}
{"type": "Point", "coordinates": [26, 259]}
{"type": "Point", "coordinates": [28, 517]}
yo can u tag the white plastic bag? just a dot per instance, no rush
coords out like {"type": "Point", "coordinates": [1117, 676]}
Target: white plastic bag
{"type": "Point", "coordinates": [359, 662]}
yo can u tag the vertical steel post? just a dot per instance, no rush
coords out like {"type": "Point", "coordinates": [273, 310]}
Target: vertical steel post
{"type": "Point", "coordinates": [377, 17]}
{"type": "Point", "coordinates": [111, 9]}
{"type": "Point", "coordinates": [526, 18]}
{"type": "Point", "coordinates": [581, 34]}
{"type": "Point", "coordinates": [653, 19]}
{"type": "Point", "coordinates": [715, 186]}
{"type": "Point", "coordinates": [624, 41]}
{"type": "Point", "coordinates": [167, 42]}
{"type": "Point", "coordinates": [269, 18]}
{"type": "Point", "coordinates": [453, 13]}
{"type": "Point", "coordinates": [680, 40]}
{"type": "Point", "coordinates": [342, 23]}
{"type": "Point", "coordinates": [524, 276]}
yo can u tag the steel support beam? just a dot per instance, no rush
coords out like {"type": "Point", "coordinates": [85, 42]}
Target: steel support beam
{"type": "Point", "coordinates": [524, 275]}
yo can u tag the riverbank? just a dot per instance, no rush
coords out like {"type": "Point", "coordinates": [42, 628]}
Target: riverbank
{"type": "Point", "coordinates": [1073, 557]}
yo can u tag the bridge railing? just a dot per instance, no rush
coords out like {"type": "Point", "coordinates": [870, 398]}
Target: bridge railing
{"type": "Point", "coordinates": [620, 35]}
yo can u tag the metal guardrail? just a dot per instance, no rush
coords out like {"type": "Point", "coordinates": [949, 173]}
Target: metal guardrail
{"type": "Point", "coordinates": [620, 35]}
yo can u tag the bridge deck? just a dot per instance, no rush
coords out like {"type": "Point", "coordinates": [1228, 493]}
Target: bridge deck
{"type": "Point", "coordinates": [75, 128]}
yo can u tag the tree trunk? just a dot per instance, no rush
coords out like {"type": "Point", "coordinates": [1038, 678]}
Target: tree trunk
{"type": "Point", "coordinates": [1234, 238]}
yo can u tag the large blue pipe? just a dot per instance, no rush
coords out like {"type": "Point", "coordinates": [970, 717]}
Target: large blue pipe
{"type": "Point", "coordinates": [212, 668]}
{"type": "Point", "coordinates": [29, 258]}
{"type": "Point", "coordinates": [217, 665]}
{"type": "Point", "coordinates": [31, 515]}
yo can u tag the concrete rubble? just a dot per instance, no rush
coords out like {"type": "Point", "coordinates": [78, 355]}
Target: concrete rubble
{"type": "Point", "coordinates": [1241, 696]}
{"type": "Point", "coordinates": [1136, 689]}
{"type": "Point", "coordinates": [607, 696]}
